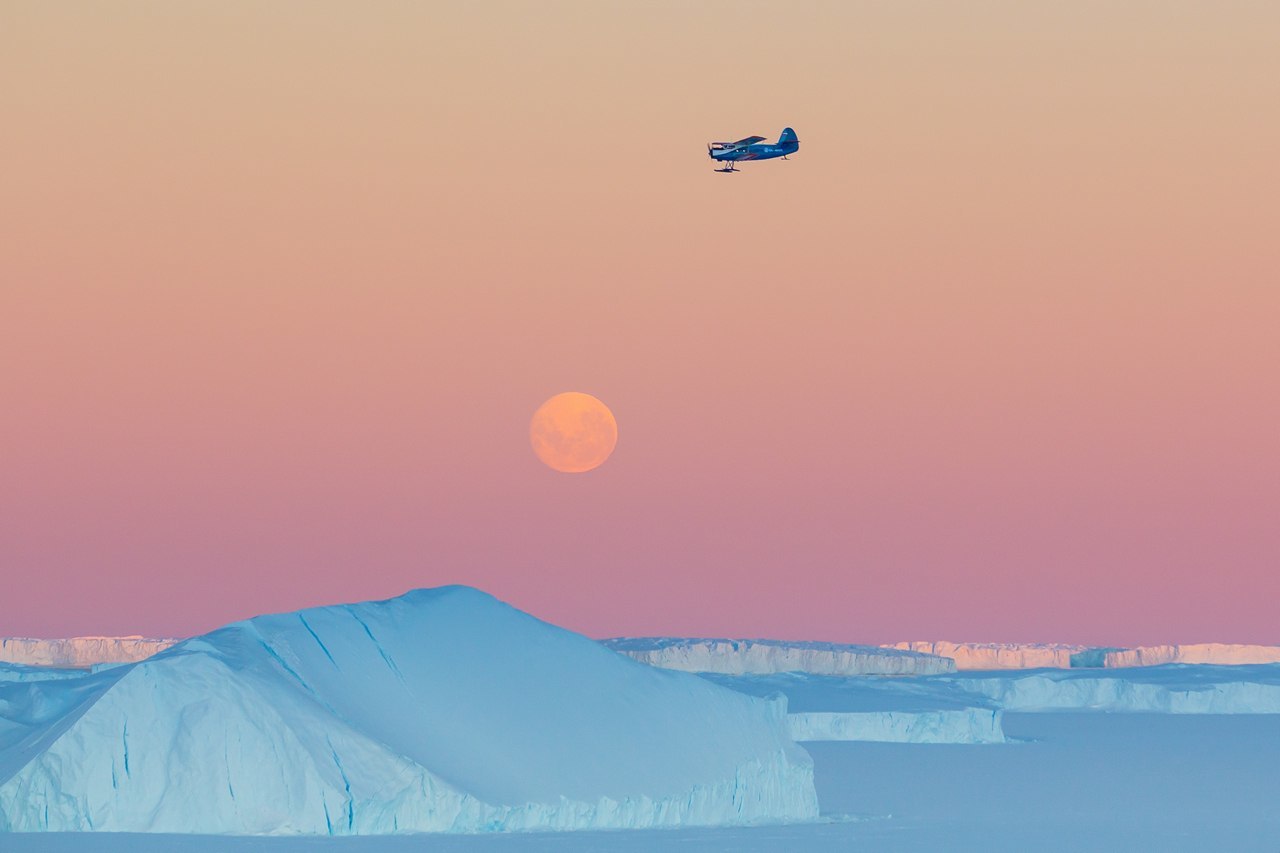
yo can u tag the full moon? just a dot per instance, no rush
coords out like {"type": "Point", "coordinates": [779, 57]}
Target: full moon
{"type": "Point", "coordinates": [573, 432]}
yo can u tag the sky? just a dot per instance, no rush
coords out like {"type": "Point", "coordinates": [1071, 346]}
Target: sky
{"type": "Point", "coordinates": [993, 357]}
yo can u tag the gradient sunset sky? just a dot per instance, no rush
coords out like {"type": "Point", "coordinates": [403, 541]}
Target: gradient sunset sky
{"type": "Point", "coordinates": [996, 356]}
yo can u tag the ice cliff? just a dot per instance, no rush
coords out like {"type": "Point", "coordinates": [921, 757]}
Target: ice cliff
{"type": "Point", "coordinates": [897, 709]}
{"type": "Point", "coordinates": [23, 672]}
{"type": "Point", "coordinates": [928, 657]}
{"type": "Point", "coordinates": [441, 710]}
{"type": "Point", "coordinates": [761, 657]}
{"type": "Point", "coordinates": [746, 657]}
{"type": "Point", "coordinates": [1176, 689]}
{"type": "Point", "coordinates": [997, 655]}
{"type": "Point", "coordinates": [965, 725]}
{"type": "Point", "coordinates": [79, 652]}
{"type": "Point", "coordinates": [988, 656]}
{"type": "Point", "coordinates": [1210, 653]}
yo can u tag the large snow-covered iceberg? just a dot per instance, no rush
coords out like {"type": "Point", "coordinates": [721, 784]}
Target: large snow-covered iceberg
{"type": "Point", "coordinates": [79, 652]}
{"type": "Point", "coordinates": [762, 657]}
{"type": "Point", "coordinates": [440, 710]}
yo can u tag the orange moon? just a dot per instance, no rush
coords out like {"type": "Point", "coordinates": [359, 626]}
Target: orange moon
{"type": "Point", "coordinates": [573, 432]}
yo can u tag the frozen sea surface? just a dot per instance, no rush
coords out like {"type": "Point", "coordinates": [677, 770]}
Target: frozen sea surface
{"type": "Point", "coordinates": [1068, 782]}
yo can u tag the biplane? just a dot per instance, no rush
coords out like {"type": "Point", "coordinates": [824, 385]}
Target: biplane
{"type": "Point", "coordinates": [752, 148]}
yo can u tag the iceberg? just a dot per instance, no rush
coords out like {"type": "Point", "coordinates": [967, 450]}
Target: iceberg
{"type": "Point", "coordinates": [888, 709]}
{"type": "Point", "coordinates": [764, 657]}
{"type": "Point", "coordinates": [1172, 689]}
{"type": "Point", "coordinates": [442, 710]}
{"type": "Point", "coordinates": [997, 655]}
{"type": "Point", "coordinates": [989, 656]}
{"type": "Point", "coordinates": [749, 657]}
{"type": "Point", "coordinates": [968, 707]}
{"type": "Point", "coordinates": [1219, 654]}
{"type": "Point", "coordinates": [967, 725]}
{"type": "Point", "coordinates": [23, 672]}
{"type": "Point", "coordinates": [79, 652]}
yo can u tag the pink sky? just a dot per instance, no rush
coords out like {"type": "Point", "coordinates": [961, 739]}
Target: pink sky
{"type": "Point", "coordinates": [995, 357]}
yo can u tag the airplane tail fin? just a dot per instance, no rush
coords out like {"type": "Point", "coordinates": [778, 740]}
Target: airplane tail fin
{"type": "Point", "coordinates": [788, 137]}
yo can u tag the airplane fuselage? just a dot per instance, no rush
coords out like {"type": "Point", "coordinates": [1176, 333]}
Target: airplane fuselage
{"type": "Point", "coordinates": [758, 151]}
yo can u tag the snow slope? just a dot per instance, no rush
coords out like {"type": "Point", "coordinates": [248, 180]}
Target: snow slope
{"type": "Point", "coordinates": [760, 657]}
{"type": "Point", "coordinates": [440, 710]}
{"type": "Point", "coordinates": [79, 652]}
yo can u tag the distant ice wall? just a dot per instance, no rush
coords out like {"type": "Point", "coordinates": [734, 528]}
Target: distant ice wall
{"type": "Point", "coordinates": [989, 656]}
{"type": "Point", "coordinates": [997, 655]}
{"type": "Point", "coordinates": [79, 652]}
{"type": "Point", "coordinates": [763, 657]}
{"type": "Point", "coordinates": [23, 672]}
{"type": "Point", "coordinates": [1167, 690]}
{"type": "Point", "coordinates": [1210, 653]}
{"type": "Point", "coordinates": [751, 657]}
{"type": "Point", "coordinates": [966, 725]}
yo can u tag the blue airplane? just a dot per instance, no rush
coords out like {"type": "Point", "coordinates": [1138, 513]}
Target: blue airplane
{"type": "Point", "coordinates": [752, 148]}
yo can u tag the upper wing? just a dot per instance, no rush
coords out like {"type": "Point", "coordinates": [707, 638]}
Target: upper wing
{"type": "Point", "coordinates": [750, 140]}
